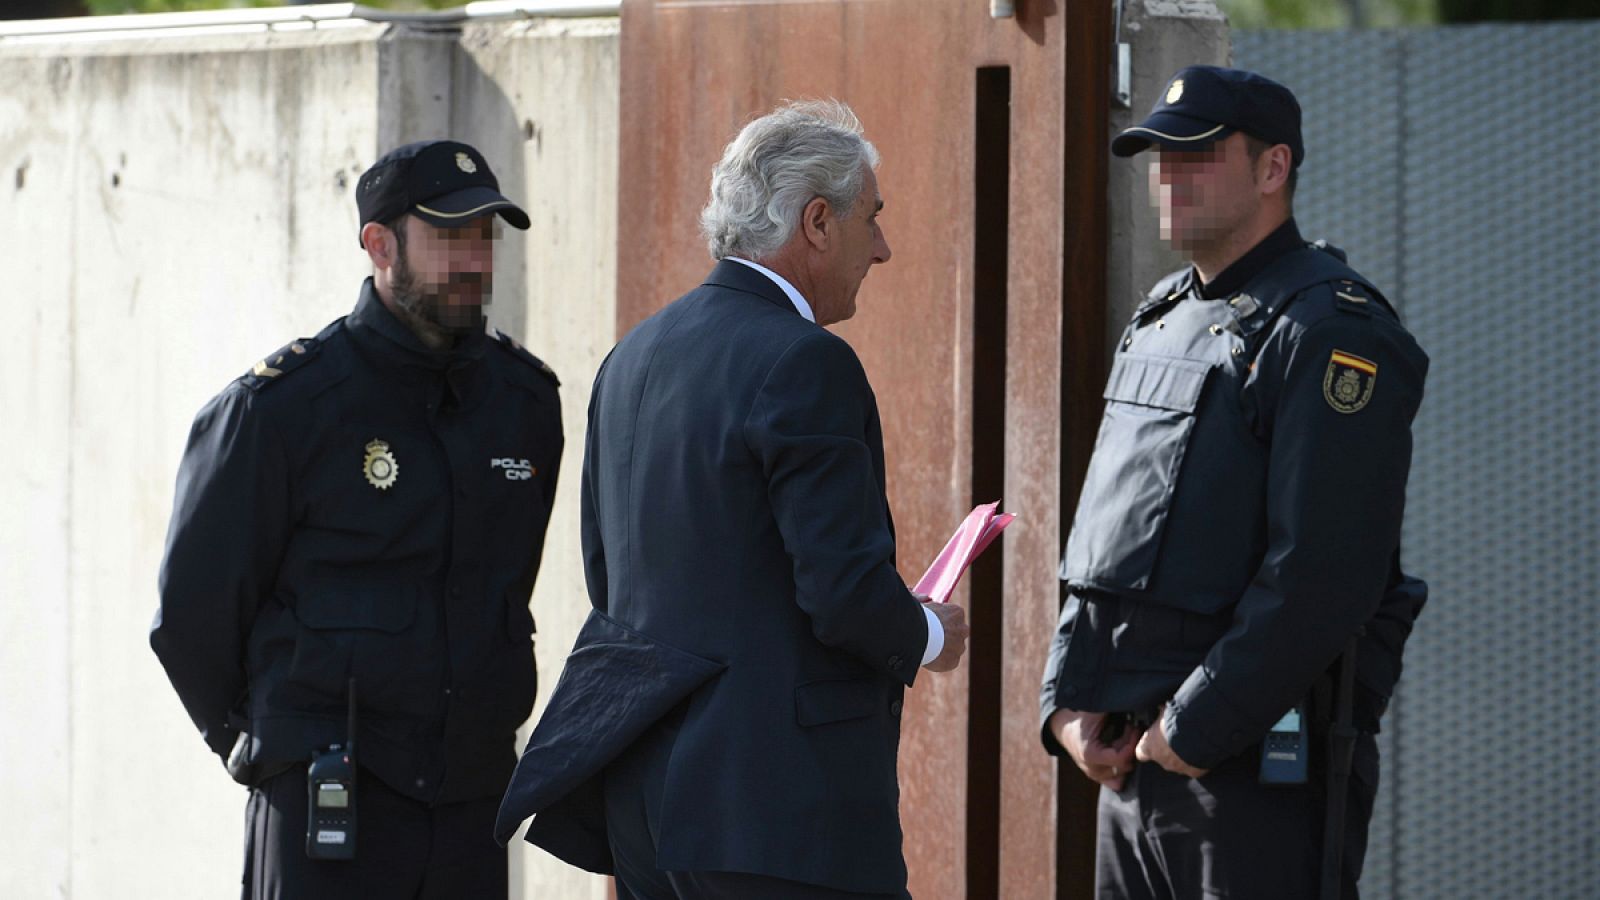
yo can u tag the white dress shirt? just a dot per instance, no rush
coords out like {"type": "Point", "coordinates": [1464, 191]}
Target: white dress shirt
{"type": "Point", "coordinates": [935, 630]}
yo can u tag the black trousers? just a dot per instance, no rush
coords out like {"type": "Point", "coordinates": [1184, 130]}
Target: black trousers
{"type": "Point", "coordinates": [404, 848]}
{"type": "Point", "coordinates": [634, 784]}
{"type": "Point", "coordinates": [1167, 837]}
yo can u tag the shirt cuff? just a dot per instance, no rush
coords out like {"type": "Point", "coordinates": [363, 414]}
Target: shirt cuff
{"type": "Point", "coordinates": [935, 637]}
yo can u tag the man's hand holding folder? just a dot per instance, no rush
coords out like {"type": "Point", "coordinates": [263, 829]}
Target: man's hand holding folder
{"type": "Point", "coordinates": [976, 533]}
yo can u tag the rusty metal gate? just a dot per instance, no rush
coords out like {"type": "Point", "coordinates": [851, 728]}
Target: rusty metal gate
{"type": "Point", "coordinates": [982, 337]}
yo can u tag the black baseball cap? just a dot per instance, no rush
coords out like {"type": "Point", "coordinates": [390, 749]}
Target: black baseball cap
{"type": "Point", "coordinates": [443, 183]}
{"type": "Point", "coordinates": [1203, 104]}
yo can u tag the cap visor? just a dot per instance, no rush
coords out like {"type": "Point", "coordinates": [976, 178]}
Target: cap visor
{"type": "Point", "coordinates": [459, 207]}
{"type": "Point", "coordinates": [1171, 131]}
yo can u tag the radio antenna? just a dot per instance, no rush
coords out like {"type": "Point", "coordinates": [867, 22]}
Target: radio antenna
{"type": "Point", "coordinates": [350, 723]}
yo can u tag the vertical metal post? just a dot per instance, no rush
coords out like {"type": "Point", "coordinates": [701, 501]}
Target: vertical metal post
{"type": "Point", "coordinates": [1122, 55]}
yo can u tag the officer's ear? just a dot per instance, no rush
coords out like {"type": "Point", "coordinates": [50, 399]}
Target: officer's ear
{"type": "Point", "coordinates": [381, 244]}
{"type": "Point", "coordinates": [1273, 167]}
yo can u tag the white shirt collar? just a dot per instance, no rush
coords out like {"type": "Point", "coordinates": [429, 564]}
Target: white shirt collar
{"type": "Point", "coordinates": [799, 302]}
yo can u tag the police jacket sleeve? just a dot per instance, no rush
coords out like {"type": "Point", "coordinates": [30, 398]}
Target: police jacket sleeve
{"type": "Point", "coordinates": [1335, 496]}
{"type": "Point", "coordinates": [1054, 661]}
{"type": "Point", "coordinates": [229, 526]}
{"type": "Point", "coordinates": [814, 428]}
{"type": "Point", "coordinates": [1379, 654]}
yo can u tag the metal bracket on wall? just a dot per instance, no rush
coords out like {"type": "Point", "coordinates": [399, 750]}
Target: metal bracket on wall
{"type": "Point", "coordinates": [1122, 58]}
{"type": "Point", "coordinates": [1002, 9]}
{"type": "Point", "coordinates": [1122, 86]}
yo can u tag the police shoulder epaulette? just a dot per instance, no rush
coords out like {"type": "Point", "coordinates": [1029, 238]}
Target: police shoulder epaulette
{"type": "Point", "coordinates": [521, 353]}
{"type": "Point", "coordinates": [1350, 297]}
{"type": "Point", "coordinates": [272, 367]}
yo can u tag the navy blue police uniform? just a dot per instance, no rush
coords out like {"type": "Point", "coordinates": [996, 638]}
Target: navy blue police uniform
{"type": "Point", "coordinates": [359, 506]}
{"type": "Point", "coordinates": [1240, 521]}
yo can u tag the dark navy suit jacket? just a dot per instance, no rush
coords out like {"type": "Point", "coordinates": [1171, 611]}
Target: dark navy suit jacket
{"type": "Point", "coordinates": [740, 560]}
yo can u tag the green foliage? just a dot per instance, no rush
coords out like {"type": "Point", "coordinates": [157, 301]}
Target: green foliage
{"type": "Point", "coordinates": [118, 7]}
{"type": "Point", "coordinates": [1261, 14]}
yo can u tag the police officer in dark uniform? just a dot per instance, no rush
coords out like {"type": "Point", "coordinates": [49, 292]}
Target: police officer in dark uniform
{"type": "Point", "coordinates": [366, 508]}
{"type": "Point", "coordinates": [1238, 526]}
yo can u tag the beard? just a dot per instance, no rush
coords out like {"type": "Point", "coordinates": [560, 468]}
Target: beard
{"type": "Point", "coordinates": [429, 304]}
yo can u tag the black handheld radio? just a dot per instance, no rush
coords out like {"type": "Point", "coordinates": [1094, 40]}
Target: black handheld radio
{"type": "Point", "coordinates": [331, 804]}
{"type": "Point", "coordinates": [1285, 750]}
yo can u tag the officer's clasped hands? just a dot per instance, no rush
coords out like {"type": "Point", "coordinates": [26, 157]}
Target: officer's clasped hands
{"type": "Point", "coordinates": [1084, 736]}
{"type": "Point", "coordinates": [1153, 747]}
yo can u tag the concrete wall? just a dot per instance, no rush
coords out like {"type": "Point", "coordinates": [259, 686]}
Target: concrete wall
{"type": "Point", "coordinates": [543, 95]}
{"type": "Point", "coordinates": [174, 209]}
{"type": "Point", "coordinates": [1164, 36]}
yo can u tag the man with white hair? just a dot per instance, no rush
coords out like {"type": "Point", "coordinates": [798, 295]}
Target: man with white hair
{"type": "Point", "coordinates": [728, 721]}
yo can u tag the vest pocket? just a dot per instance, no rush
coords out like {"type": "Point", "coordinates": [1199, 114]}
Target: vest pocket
{"type": "Point", "coordinates": [360, 631]}
{"type": "Point", "coordinates": [1127, 492]}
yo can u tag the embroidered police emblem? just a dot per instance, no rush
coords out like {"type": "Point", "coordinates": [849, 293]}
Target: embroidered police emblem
{"type": "Point", "coordinates": [1175, 91]}
{"type": "Point", "coordinates": [379, 466]}
{"type": "Point", "coordinates": [465, 163]}
{"type": "Point", "coordinates": [1348, 384]}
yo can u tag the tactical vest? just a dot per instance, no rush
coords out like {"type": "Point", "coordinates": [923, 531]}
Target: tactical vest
{"type": "Point", "coordinates": [1172, 510]}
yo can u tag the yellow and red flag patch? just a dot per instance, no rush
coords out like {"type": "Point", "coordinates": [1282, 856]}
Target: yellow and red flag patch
{"type": "Point", "coordinates": [1348, 384]}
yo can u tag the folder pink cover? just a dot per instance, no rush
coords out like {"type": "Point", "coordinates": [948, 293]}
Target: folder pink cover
{"type": "Point", "coordinates": [979, 530]}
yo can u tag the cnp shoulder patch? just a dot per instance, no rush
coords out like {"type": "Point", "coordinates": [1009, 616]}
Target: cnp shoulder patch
{"type": "Point", "coordinates": [286, 359]}
{"type": "Point", "coordinates": [1349, 381]}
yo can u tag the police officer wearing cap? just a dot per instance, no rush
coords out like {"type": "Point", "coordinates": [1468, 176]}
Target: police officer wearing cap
{"type": "Point", "coordinates": [1238, 528]}
{"type": "Point", "coordinates": [366, 509]}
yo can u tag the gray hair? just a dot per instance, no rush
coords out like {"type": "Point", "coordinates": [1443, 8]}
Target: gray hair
{"type": "Point", "coordinates": [777, 165]}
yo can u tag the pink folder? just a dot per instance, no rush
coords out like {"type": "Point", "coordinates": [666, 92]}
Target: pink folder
{"type": "Point", "coordinates": [979, 530]}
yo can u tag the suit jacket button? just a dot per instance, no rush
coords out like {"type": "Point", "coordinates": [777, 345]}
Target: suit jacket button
{"type": "Point", "coordinates": [894, 708]}
{"type": "Point", "coordinates": [895, 662]}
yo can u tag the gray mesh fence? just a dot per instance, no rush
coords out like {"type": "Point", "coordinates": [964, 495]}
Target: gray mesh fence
{"type": "Point", "coordinates": [1460, 167]}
